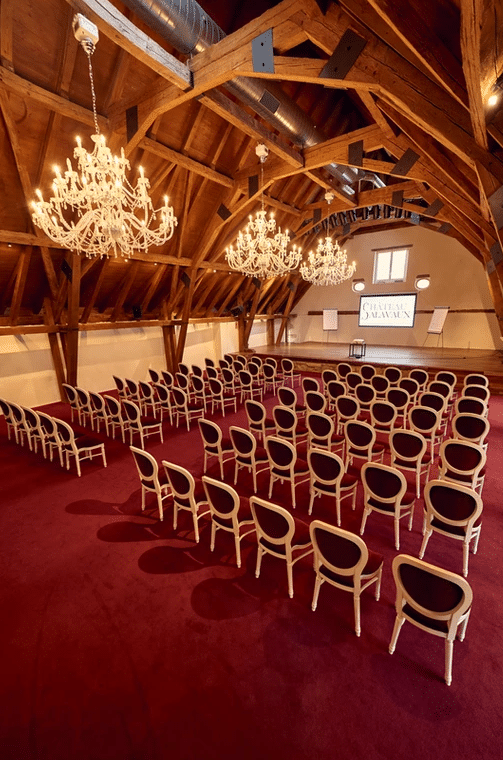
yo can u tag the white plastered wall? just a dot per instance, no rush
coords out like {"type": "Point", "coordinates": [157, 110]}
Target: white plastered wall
{"type": "Point", "coordinates": [458, 280]}
{"type": "Point", "coordinates": [27, 374]}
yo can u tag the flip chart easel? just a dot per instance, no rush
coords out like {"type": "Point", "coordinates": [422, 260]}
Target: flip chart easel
{"type": "Point", "coordinates": [437, 323]}
{"type": "Point", "coordinates": [330, 321]}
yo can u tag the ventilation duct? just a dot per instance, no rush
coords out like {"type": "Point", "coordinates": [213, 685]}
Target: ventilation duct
{"type": "Point", "coordinates": [189, 29]}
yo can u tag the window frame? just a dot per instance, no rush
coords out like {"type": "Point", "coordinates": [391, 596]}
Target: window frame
{"type": "Point", "coordinates": [391, 250]}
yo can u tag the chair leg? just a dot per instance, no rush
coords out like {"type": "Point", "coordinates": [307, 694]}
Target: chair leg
{"type": "Point", "coordinates": [449, 646]}
{"type": "Point", "coordinates": [237, 542]}
{"type": "Point", "coordinates": [466, 554]}
{"type": "Point", "coordinates": [260, 552]}
{"type": "Point", "coordinates": [289, 573]}
{"type": "Point", "coordinates": [175, 515]}
{"type": "Point", "coordinates": [356, 603]}
{"type": "Point", "coordinates": [399, 621]}
{"type": "Point", "coordinates": [212, 537]}
{"type": "Point", "coordinates": [317, 585]}
{"type": "Point", "coordinates": [103, 455]}
{"type": "Point", "coordinates": [196, 526]}
{"type": "Point", "coordinates": [311, 500]}
{"type": "Point", "coordinates": [397, 533]}
{"type": "Point", "coordinates": [378, 585]}
{"type": "Point", "coordinates": [366, 513]}
{"type": "Point", "coordinates": [292, 488]}
{"type": "Point", "coordinates": [426, 538]}
{"type": "Point", "coordinates": [143, 498]}
{"type": "Point", "coordinates": [411, 517]}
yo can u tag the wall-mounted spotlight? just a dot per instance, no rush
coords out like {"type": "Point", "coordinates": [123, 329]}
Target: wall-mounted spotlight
{"type": "Point", "coordinates": [358, 285]}
{"type": "Point", "coordinates": [422, 282]}
{"type": "Point", "coordinates": [496, 92]}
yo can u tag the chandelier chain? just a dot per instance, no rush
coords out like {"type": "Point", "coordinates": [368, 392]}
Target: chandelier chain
{"type": "Point", "coordinates": [89, 48]}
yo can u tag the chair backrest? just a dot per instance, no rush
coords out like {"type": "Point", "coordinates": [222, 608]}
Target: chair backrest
{"type": "Point", "coordinates": [287, 396]}
{"type": "Point", "coordinates": [245, 378]}
{"type": "Point", "coordinates": [269, 371]}
{"type": "Point", "coordinates": [224, 364]}
{"type": "Point", "coordinates": [383, 486]}
{"type": "Point", "coordinates": [180, 398]}
{"type": "Point", "coordinates": [328, 375]}
{"type": "Point", "coordinates": [196, 371]}
{"type": "Point", "coordinates": [238, 365]}
{"type": "Point", "coordinates": [461, 460]}
{"type": "Point", "coordinates": [320, 427]}
{"type": "Point", "coordinates": [209, 362]}
{"type": "Point", "coordinates": [360, 436]}
{"type": "Point", "coordinates": [184, 369]}
{"type": "Point", "coordinates": [424, 419]}
{"type": "Point", "coordinates": [17, 414]}
{"type": "Point", "coordinates": [222, 498]}
{"type": "Point", "coordinates": [343, 368]}
{"type": "Point", "coordinates": [146, 390]}
{"type": "Point", "coordinates": [408, 446]}
{"type": "Point", "coordinates": [352, 380]}
{"type": "Point", "coordinates": [325, 466]}
{"type": "Point", "coordinates": [348, 408]}
{"type": "Point", "coordinates": [97, 402]}
{"type": "Point", "coordinates": [380, 383]}
{"type": "Point", "coordinates": [285, 420]}
{"type": "Point", "coordinates": [71, 394]}
{"type": "Point", "coordinates": [310, 384]}
{"type": "Point", "coordinates": [243, 442]}
{"type": "Point", "coordinates": [398, 397]}
{"type": "Point", "coordinates": [154, 375]}
{"type": "Point", "coordinates": [476, 391]}
{"type": "Point", "coordinates": [132, 386]}
{"type": "Point", "coordinates": [48, 425]}
{"type": "Point", "coordinates": [211, 433]}
{"type": "Point", "coordinates": [470, 427]}
{"type": "Point", "coordinates": [256, 360]}
{"type": "Point", "coordinates": [256, 413]}
{"type": "Point", "coordinates": [274, 524]}
{"type": "Point", "coordinates": [433, 401]}
{"type": "Point", "coordinates": [198, 385]}
{"type": "Point", "coordinates": [315, 401]}
{"type": "Point", "coordinates": [147, 467]}
{"type": "Point", "coordinates": [6, 410]}
{"type": "Point", "coordinates": [271, 361]}
{"type": "Point", "coordinates": [132, 412]}
{"type": "Point", "coordinates": [470, 405]}
{"type": "Point", "coordinates": [32, 420]}
{"type": "Point", "coordinates": [339, 551]}
{"type": "Point", "coordinates": [447, 377]}
{"type": "Point", "coordinates": [476, 379]}
{"type": "Point", "coordinates": [382, 414]}
{"type": "Point", "coordinates": [437, 386]}
{"type": "Point", "coordinates": [281, 453]}
{"type": "Point", "coordinates": [421, 376]}
{"type": "Point", "coordinates": [365, 394]}
{"type": "Point", "coordinates": [113, 407]}
{"type": "Point", "coordinates": [254, 370]}
{"type": "Point", "coordinates": [216, 387]}
{"type": "Point", "coordinates": [181, 481]}
{"type": "Point", "coordinates": [119, 384]}
{"type": "Point", "coordinates": [84, 398]}
{"type": "Point", "coordinates": [367, 371]}
{"type": "Point", "coordinates": [228, 377]}
{"type": "Point", "coordinates": [452, 503]}
{"type": "Point", "coordinates": [411, 386]}
{"type": "Point", "coordinates": [65, 433]}
{"type": "Point", "coordinates": [182, 381]}
{"type": "Point", "coordinates": [431, 591]}
{"type": "Point", "coordinates": [167, 378]}
{"type": "Point", "coordinates": [393, 374]}
{"type": "Point", "coordinates": [335, 389]}
{"type": "Point", "coordinates": [287, 366]}
{"type": "Point", "coordinates": [162, 393]}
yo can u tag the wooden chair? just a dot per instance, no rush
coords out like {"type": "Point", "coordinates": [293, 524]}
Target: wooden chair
{"type": "Point", "coordinates": [280, 535]}
{"type": "Point", "coordinates": [187, 495]}
{"type": "Point", "coordinates": [343, 560]}
{"type": "Point", "coordinates": [385, 491]}
{"type": "Point", "coordinates": [219, 398]}
{"type": "Point", "coordinates": [229, 512]}
{"type": "Point", "coordinates": [471, 427]}
{"type": "Point", "coordinates": [151, 480]}
{"type": "Point", "coordinates": [288, 370]}
{"type": "Point", "coordinates": [214, 443]}
{"type": "Point", "coordinates": [288, 425]}
{"type": "Point", "coordinates": [184, 409]}
{"type": "Point", "coordinates": [258, 421]}
{"type": "Point", "coordinates": [143, 425]}
{"type": "Point", "coordinates": [462, 462]}
{"type": "Point", "coordinates": [321, 433]}
{"type": "Point", "coordinates": [115, 417]}
{"type": "Point", "coordinates": [285, 465]}
{"type": "Point", "coordinates": [408, 452]}
{"type": "Point", "coordinates": [435, 600]}
{"type": "Point", "coordinates": [247, 454]}
{"type": "Point", "coordinates": [328, 477]}
{"type": "Point", "coordinates": [361, 442]}
{"type": "Point", "coordinates": [81, 447]}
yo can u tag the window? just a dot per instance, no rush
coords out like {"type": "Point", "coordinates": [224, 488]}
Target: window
{"type": "Point", "coordinates": [390, 265]}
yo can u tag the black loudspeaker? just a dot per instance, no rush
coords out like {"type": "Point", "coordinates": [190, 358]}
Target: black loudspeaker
{"type": "Point", "coordinates": [137, 312]}
{"type": "Point", "coordinates": [237, 311]}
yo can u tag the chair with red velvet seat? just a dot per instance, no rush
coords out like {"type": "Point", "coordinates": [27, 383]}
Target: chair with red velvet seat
{"type": "Point", "coordinates": [285, 465]}
{"type": "Point", "coordinates": [86, 407]}
{"type": "Point", "coordinates": [183, 382]}
{"type": "Point", "coordinates": [288, 425]}
{"type": "Point", "coordinates": [321, 433]}
{"type": "Point", "coordinates": [343, 369]}
{"type": "Point", "coordinates": [121, 386]}
{"type": "Point", "coordinates": [151, 480]}
{"type": "Point", "coordinates": [133, 391]}
{"type": "Point", "coordinates": [229, 512]}
{"type": "Point", "coordinates": [310, 384]}
{"type": "Point", "coordinates": [272, 380]}
{"type": "Point", "coordinates": [72, 398]}
{"type": "Point", "coordinates": [288, 371]}
{"type": "Point", "coordinates": [346, 408]}
{"type": "Point", "coordinates": [412, 387]}
{"type": "Point", "coordinates": [444, 376]}
{"type": "Point", "coordinates": [328, 477]}
{"type": "Point", "coordinates": [328, 376]}
{"type": "Point", "coordinates": [476, 378]}
{"type": "Point", "coordinates": [199, 391]}
{"type": "Point", "coordinates": [427, 421]}
{"type": "Point", "coordinates": [230, 381]}
{"type": "Point", "coordinates": [280, 535]}
{"type": "Point", "coordinates": [462, 462]}
{"type": "Point", "coordinates": [51, 437]}
{"type": "Point", "coordinates": [400, 399]}
{"type": "Point", "coordinates": [477, 391]}
{"type": "Point", "coordinates": [33, 429]}
{"type": "Point", "coordinates": [445, 390]}
{"type": "Point", "coordinates": [99, 408]}
{"type": "Point", "coordinates": [143, 425]}
{"type": "Point", "coordinates": [433, 599]}
{"type": "Point", "coordinates": [6, 409]}
{"type": "Point", "coordinates": [167, 379]}
{"type": "Point", "coordinates": [250, 388]}
{"type": "Point", "coordinates": [471, 405]}
{"type": "Point", "coordinates": [155, 376]}
{"type": "Point", "coordinates": [343, 560]}
{"type": "Point", "coordinates": [187, 495]}
{"type": "Point", "coordinates": [455, 511]}
{"type": "Point", "coordinates": [148, 397]}
{"type": "Point", "coordinates": [288, 397]}
{"type": "Point", "coordinates": [81, 447]}
{"type": "Point", "coordinates": [437, 402]}
{"type": "Point", "coordinates": [365, 395]}
{"type": "Point", "coordinates": [361, 442]}
{"type": "Point", "coordinates": [247, 454]}
{"type": "Point", "coordinates": [258, 421]}
{"type": "Point", "coordinates": [184, 409]}
{"type": "Point", "coordinates": [385, 491]}
{"type": "Point", "coordinates": [408, 452]}
{"type": "Point", "coordinates": [17, 418]}
{"type": "Point", "coordinates": [219, 398]}
{"type": "Point", "coordinates": [382, 416]}
{"type": "Point", "coordinates": [335, 389]}
{"type": "Point", "coordinates": [352, 379]}
{"type": "Point", "coordinates": [214, 443]}
{"type": "Point", "coordinates": [367, 371]}
{"type": "Point", "coordinates": [184, 369]}
{"type": "Point", "coordinates": [315, 401]}
{"type": "Point", "coordinates": [115, 417]}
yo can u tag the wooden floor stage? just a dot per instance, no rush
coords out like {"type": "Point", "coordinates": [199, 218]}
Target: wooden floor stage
{"type": "Point", "coordinates": [313, 357]}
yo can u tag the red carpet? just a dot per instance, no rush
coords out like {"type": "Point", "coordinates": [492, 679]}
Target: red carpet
{"type": "Point", "coordinates": [122, 640]}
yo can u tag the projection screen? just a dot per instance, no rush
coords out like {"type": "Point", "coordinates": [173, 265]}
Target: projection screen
{"type": "Point", "coordinates": [387, 310]}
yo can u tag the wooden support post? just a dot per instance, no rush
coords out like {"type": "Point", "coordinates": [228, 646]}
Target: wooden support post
{"type": "Point", "coordinates": [270, 331]}
{"type": "Point", "coordinates": [72, 336]}
{"type": "Point", "coordinates": [57, 359]}
{"type": "Point", "coordinates": [168, 334]}
{"type": "Point", "coordinates": [251, 316]}
{"type": "Point", "coordinates": [293, 288]}
{"type": "Point", "coordinates": [241, 333]}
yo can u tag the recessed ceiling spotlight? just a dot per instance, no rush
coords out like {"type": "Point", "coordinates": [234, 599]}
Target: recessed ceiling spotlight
{"type": "Point", "coordinates": [358, 285]}
{"type": "Point", "coordinates": [422, 282]}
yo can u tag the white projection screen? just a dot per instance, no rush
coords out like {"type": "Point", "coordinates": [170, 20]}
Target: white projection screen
{"type": "Point", "coordinates": [387, 310]}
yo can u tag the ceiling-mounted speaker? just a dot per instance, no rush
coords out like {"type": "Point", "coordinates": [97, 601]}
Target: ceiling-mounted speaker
{"type": "Point", "coordinates": [137, 312]}
{"type": "Point", "coordinates": [237, 311]}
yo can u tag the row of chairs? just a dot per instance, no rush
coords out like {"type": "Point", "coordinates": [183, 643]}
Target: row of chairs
{"type": "Point", "coordinates": [51, 433]}
{"type": "Point", "coordinates": [437, 600]}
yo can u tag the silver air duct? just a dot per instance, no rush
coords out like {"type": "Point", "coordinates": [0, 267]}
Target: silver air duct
{"type": "Point", "coordinates": [188, 28]}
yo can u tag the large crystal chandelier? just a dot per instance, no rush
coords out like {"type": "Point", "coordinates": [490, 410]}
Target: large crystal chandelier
{"type": "Point", "coordinates": [261, 251]}
{"type": "Point", "coordinates": [328, 264]}
{"type": "Point", "coordinates": [95, 210]}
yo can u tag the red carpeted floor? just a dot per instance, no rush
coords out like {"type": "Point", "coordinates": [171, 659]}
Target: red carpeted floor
{"type": "Point", "coordinates": [123, 640]}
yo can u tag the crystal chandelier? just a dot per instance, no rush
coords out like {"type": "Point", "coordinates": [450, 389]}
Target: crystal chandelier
{"type": "Point", "coordinates": [328, 265]}
{"type": "Point", "coordinates": [261, 251]}
{"type": "Point", "coordinates": [95, 210]}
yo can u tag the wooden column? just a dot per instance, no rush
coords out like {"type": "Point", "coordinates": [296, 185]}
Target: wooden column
{"type": "Point", "coordinates": [72, 334]}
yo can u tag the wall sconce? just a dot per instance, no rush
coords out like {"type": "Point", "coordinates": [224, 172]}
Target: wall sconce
{"type": "Point", "coordinates": [358, 285]}
{"type": "Point", "coordinates": [422, 282]}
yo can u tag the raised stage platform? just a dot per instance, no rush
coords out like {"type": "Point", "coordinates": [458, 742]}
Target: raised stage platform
{"type": "Point", "coordinates": [313, 357]}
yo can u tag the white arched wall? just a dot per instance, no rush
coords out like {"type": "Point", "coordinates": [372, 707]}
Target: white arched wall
{"type": "Point", "coordinates": [458, 280]}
